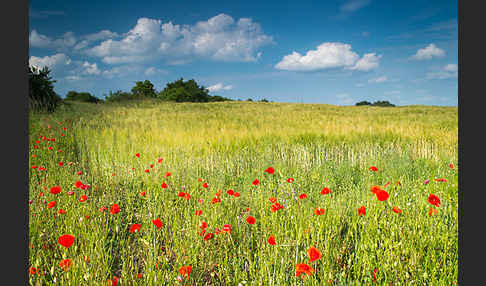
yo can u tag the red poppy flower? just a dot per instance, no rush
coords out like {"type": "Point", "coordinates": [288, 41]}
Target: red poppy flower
{"type": "Point", "coordinates": [83, 198]}
{"type": "Point", "coordinates": [198, 212]}
{"type": "Point", "coordinates": [55, 190]}
{"type": "Point", "coordinates": [34, 167]}
{"type": "Point", "coordinates": [271, 240]}
{"type": "Point", "coordinates": [434, 200]}
{"type": "Point", "coordinates": [318, 211]}
{"type": "Point", "coordinates": [167, 174]}
{"type": "Point", "coordinates": [66, 240]}
{"type": "Point", "coordinates": [61, 211]}
{"type": "Point", "coordinates": [32, 270]}
{"type": "Point", "coordinates": [102, 209]}
{"type": "Point", "coordinates": [61, 164]}
{"type": "Point", "coordinates": [276, 207]}
{"type": "Point", "coordinates": [138, 155]}
{"type": "Point", "coordinates": [373, 168]}
{"type": "Point", "coordinates": [215, 200]}
{"type": "Point", "coordinates": [151, 166]}
{"type": "Point", "coordinates": [147, 171]}
{"type": "Point", "coordinates": [374, 274]}
{"type": "Point", "coordinates": [205, 185]}
{"type": "Point", "coordinates": [397, 210]}
{"type": "Point", "coordinates": [226, 228]}
{"type": "Point", "coordinates": [325, 191]}
{"type": "Point", "coordinates": [314, 254]}
{"type": "Point", "coordinates": [270, 170]}
{"type": "Point", "coordinates": [303, 268]}
{"type": "Point", "coordinates": [256, 182]}
{"type": "Point", "coordinates": [80, 173]}
{"type": "Point", "coordinates": [272, 199]}
{"type": "Point", "coordinates": [159, 160]}
{"type": "Point", "coordinates": [86, 217]}
{"type": "Point", "coordinates": [181, 194]}
{"type": "Point", "coordinates": [230, 192]}
{"type": "Point", "coordinates": [139, 275]}
{"type": "Point", "coordinates": [382, 195]}
{"type": "Point", "coordinates": [51, 204]}
{"type": "Point", "coordinates": [208, 236]}
{"type": "Point", "coordinates": [375, 189]}
{"type": "Point", "coordinates": [158, 223]}
{"type": "Point", "coordinates": [432, 211]}
{"type": "Point", "coordinates": [251, 220]}
{"type": "Point", "coordinates": [303, 196]}
{"type": "Point", "coordinates": [78, 184]}
{"type": "Point", "coordinates": [115, 209]}
{"type": "Point", "coordinates": [42, 169]}
{"type": "Point", "coordinates": [135, 227]}
{"type": "Point", "coordinates": [440, 180]}
{"type": "Point", "coordinates": [203, 225]}
{"type": "Point", "coordinates": [143, 193]}
{"type": "Point", "coordinates": [65, 264]}
{"type": "Point", "coordinates": [362, 210]}
{"type": "Point", "coordinates": [185, 270]}
{"type": "Point", "coordinates": [236, 194]}
{"type": "Point", "coordinates": [113, 281]}
{"type": "Point", "coordinates": [451, 166]}
{"type": "Point", "coordinates": [164, 185]}
{"type": "Point", "coordinates": [50, 148]}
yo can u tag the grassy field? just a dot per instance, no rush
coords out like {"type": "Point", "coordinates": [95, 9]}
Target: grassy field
{"type": "Point", "coordinates": [169, 161]}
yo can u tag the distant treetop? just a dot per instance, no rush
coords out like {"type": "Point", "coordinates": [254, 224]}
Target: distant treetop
{"type": "Point", "coordinates": [383, 103]}
{"type": "Point", "coordinates": [188, 91]}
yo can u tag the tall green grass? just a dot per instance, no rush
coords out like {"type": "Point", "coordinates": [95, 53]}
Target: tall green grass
{"type": "Point", "coordinates": [228, 145]}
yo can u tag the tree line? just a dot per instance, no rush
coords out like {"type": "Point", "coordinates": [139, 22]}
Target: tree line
{"type": "Point", "coordinates": [43, 97]}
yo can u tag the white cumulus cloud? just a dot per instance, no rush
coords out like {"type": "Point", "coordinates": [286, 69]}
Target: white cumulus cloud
{"type": "Point", "coordinates": [367, 62]}
{"type": "Point", "coordinates": [328, 55]}
{"type": "Point", "coordinates": [91, 68]}
{"type": "Point", "coordinates": [50, 61]}
{"type": "Point", "coordinates": [428, 53]}
{"type": "Point", "coordinates": [448, 71]}
{"type": "Point", "coordinates": [219, 86]}
{"type": "Point", "coordinates": [219, 38]}
{"type": "Point", "coordinates": [60, 44]}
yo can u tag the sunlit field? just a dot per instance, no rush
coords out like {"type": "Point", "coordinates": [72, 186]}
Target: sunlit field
{"type": "Point", "coordinates": [243, 193]}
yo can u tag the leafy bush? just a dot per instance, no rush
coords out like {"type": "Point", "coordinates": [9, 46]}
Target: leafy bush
{"type": "Point", "coordinates": [384, 103]}
{"type": "Point", "coordinates": [118, 96]}
{"type": "Point", "coordinates": [82, 96]}
{"type": "Point", "coordinates": [41, 90]}
{"type": "Point", "coordinates": [143, 89]}
{"type": "Point", "coordinates": [363, 103]}
{"type": "Point", "coordinates": [187, 91]}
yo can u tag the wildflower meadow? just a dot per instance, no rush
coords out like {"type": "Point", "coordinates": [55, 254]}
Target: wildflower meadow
{"type": "Point", "coordinates": [243, 193]}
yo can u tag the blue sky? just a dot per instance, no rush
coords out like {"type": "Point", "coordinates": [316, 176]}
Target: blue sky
{"type": "Point", "coordinates": [333, 52]}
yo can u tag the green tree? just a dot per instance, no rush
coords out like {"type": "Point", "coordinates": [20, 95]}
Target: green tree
{"type": "Point", "coordinates": [363, 103]}
{"type": "Point", "coordinates": [144, 89]}
{"type": "Point", "coordinates": [118, 96]}
{"type": "Point", "coordinates": [41, 90]}
{"type": "Point", "coordinates": [383, 103]}
{"type": "Point", "coordinates": [82, 96]}
{"type": "Point", "coordinates": [187, 91]}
